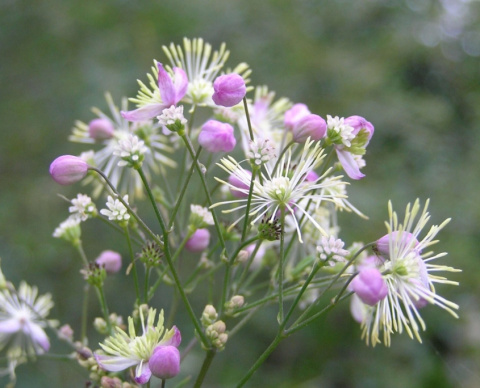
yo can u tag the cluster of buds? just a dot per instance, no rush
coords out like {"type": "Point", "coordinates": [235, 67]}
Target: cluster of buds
{"type": "Point", "coordinates": [233, 304]}
{"type": "Point", "coordinates": [102, 327]}
{"type": "Point", "coordinates": [151, 255]}
{"type": "Point", "coordinates": [214, 329]}
{"type": "Point", "coordinates": [94, 274]}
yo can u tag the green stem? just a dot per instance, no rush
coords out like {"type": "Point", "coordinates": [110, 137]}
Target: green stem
{"type": "Point", "coordinates": [83, 329]}
{"type": "Point", "coordinates": [184, 189]}
{"type": "Point", "coordinates": [168, 257]}
{"type": "Point", "coordinates": [282, 263]}
{"type": "Point", "coordinates": [145, 288]}
{"type": "Point", "coordinates": [103, 304]}
{"type": "Point", "coordinates": [134, 266]}
{"type": "Point", "coordinates": [245, 105]}
{"type": "Point", "coordinates": [205, 366]}
{"type": "Point", "coordinates": [260, 360]}
{"type": "Point", "coordinates": [249, 201]}
{"type": "Point", "coordinates": [81, 252]}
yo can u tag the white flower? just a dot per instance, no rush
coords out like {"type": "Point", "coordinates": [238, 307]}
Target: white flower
{"type": "Point", "coordinates": [410, 277]}
{"type": "Point", "coordinates": [261, 151]}
{"type": "Point", "coordinates": [200, 216]}
{"type": "Point", "coordinates": [131, 150]}
{"type": "Point", "coordinates": [69, 229]}
{"type": "Point", "coordinates": [22, 322]}
{"type": "Point", "coordinates": [330, 249]}
{"type": "Point", "coordinates": [82, 207]}
{"type": "Point", "coordinates": [338, 131]}
{"type": "Point", "coordinates": [124, 350]}
{"type": "Point", "coordinates": [170, 115]}
{"type": "Point", "coordinates": [286, 188]}
{"type": "Point", "coordinates": [116, 210]}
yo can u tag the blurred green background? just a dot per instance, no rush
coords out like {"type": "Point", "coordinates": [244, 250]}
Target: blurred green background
{"type": "Point", "coordinates": [410, 67]}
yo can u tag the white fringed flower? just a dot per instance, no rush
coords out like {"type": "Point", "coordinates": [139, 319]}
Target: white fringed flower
{"type": "Point", "coordinates": [410, 276]}
{"type": "Point", "coordinates": [330, 249]}
{"type": "Point", "coordinates": [82, 207]}
{"type": "Point", "coordinates": [285, 188]}
{"type": "Point", "coordinates": [131, 150]}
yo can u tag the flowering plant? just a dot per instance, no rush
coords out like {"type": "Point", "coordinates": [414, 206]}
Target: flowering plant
{"type": "Point", "coordinates": [250, 196]}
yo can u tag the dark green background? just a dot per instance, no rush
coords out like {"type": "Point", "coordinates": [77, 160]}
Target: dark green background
{"type": "Point", "coordinates": [340, 57]}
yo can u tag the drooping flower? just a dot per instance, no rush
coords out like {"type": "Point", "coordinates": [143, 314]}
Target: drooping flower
{"type": "Point", "coordinates": [22, 322]}
{"type": "Point", "coordinates": [350, 137]}
{"type": "Point", "coordinates": [229, 90]}
{"type": "Point", "coordinates": [410, 277]}
{"type": "Point", "coordinates": [167, 91]}
{"type": "Point", "coordinates": [68, 169]}
{"type": "Point", "coordinates": [124, 350]}
{"type": "Point", "coordinates": [217, 137]}
{"type": "Point", "coordinates": [286, 187]}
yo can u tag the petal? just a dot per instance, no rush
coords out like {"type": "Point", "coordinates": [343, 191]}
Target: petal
{"type": "Point", "coordinates": [9, 326]}
{"type": "Point", "coordinates": [166, 86]}
{"type": "Point", "coordinates": [142, 373]}
{"type": "Point", "coordinates": [38, 336]}
{"type": "Point", "coordinates": [146, 112]}
{"type": "Point", "coordinates": [115, 363]}
{"type": "Point", "coordinates": [349, 164]}
{"type": "Point", "coordinates": [181, 83]}
{"type": "Point", "coordinates": [174, 340]}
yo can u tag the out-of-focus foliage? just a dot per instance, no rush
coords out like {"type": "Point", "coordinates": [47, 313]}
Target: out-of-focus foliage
{"type": "Point", "coordinates": [410, 67]}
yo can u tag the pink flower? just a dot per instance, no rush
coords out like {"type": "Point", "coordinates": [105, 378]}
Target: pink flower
{"type": "Point", "coordinates": [229, 90]}
{"type": "Point", "coordinates": [165, 362]}
{"type": "Point", "coordinates": [110, 260]}
{"type": "Point", "coordinates": [295, 113]}
{"type": "Point", "coordinates": [100, 129]}
{"type": "Point", "coordinates": [369, 286]}
{"type": "Point", "coordinates": [309, 126]}
{"type": "Point", "coordinates": [171, 90]}
{"type": "Point", "coordinates": [396, 238]}
{"type": "Point", "coordinates": [68, 169]}
{"type": "Point", "coordinates": [358, 123]}
{"type": "Point", "coordinates": [199, 241]}
{"type": "Point", "coordinates": [216, 136]}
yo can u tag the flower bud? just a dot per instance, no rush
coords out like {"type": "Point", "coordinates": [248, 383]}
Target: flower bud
{"type": "Point", "coordinates": [369, 286]}
{"type": "Point", "coordinates": [295, 113]}
{"type": "Point", "coordinates": [164, 363]}
{"type": "Point", "coordinates": [312, 176]}
{"type": "Point", "coordinates": [358, 123]}
{"type": "Point", "coordinates": [229, 90]}
{"type": "Point", "coordinates": [199, 240]}
{"type": "Point", "coordinates": [209, 315]}
{"type": "Point", "coordinates": [309, 126]}
{"type": "Point", "coordinates": [68, 169]}
{"type": "Point", "coordinates": [217, 137]}
{"type": "Point", "coordinates": [110, 260]}
{"type": "Point", "coordinates": [235, 181]}
{"type": "Point", "coordinates": [100, 129]}
{"type": "Point", "coordinates": [403, 239]}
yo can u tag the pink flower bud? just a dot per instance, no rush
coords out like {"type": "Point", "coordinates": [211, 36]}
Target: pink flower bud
{"type": "Point", "coordinates": [358, 123]}
{"type": "Point", "coordinates": [164, 363]}
{"type": "Point", "coordinates": [369, 286]}
{"type": "Point", "coordinates": [229, 90]}
{"type": "Point", "coordinates": [100, 129]}
{"type": "Point", "coordinates": [68, 169]}
{"type": "Point", "coordinates": [235, 181]}
{"type": "Point", "coordinates": [110, 260]}
{"type": "Point", "coordinates": [312, 126]}
{"type": "Point", "coordinates": [199, 241]}
{"type": "Point", "coordinates": [403, 239]}
{"type": "Point", "coordinates": [294, 114]}
{"type": "Point", "coordinates": [217, 137]}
